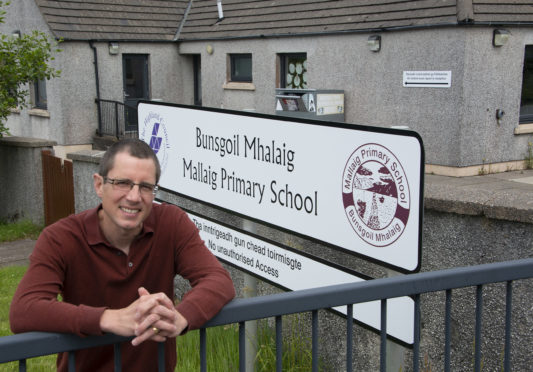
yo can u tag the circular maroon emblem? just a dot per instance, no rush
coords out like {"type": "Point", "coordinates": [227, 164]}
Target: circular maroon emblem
{"type": "Point", "coordinates": [375, 195]}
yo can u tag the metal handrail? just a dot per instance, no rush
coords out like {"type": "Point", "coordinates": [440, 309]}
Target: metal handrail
{"type": "Point", "coordinates": [112, 117]}
{"type": "Point", "coordinates": [32, 344]}
{"type": "Point", "coordinates": [244, 309]}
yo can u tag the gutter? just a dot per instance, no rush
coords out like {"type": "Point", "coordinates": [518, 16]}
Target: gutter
{"type": "Point", "coordinates": [95, 54]}
{"type": "Point", "coordinates": [469, 23]}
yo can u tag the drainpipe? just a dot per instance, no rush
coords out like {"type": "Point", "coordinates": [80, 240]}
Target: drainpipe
{"type": "Point", "coordinates": [183, 20]}
{"type": "Point", "coordinates": [97, 80]}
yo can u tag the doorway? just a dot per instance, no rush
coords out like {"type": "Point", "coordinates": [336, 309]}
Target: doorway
{"type": "Point", "coordinates": [197, 73]}
{"type": "Point", "coordinates": [135, 77]}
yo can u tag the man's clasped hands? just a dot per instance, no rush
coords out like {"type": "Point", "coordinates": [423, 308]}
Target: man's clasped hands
{"type": "Point", "coordinates": [150, 317]}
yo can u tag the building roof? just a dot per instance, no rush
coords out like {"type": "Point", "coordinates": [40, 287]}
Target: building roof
{"type": "Point", "coordinates": [248, 18]}
{"type": "Point", "coordinates": [161, 20]}
{"type": "Point", "coordinates": [154, 20]}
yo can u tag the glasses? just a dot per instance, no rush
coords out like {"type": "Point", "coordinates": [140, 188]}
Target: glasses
{"type": "Point", "coordinates": [146, 189]}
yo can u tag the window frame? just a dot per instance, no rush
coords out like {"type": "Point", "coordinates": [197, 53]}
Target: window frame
{"type": "Point", "coordinates": [40, 99]}
{"type": "Point", "coordinates": [527, 70]}
{"type": "Point", "coordinates": [283, 59]}
{"type": "Point", "coordinates": [232, 76]}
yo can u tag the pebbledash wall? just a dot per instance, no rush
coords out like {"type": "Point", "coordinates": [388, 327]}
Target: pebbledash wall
{"type": "Point", "coordinates": [455, 234]}
{"type": "Point", "coordinates": [458, 124]}
{"type": "Point", "coordinates": [21, 180]}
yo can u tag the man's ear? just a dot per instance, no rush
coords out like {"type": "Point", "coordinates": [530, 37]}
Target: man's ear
{"type": "Point", "coordinates": [98, 182]}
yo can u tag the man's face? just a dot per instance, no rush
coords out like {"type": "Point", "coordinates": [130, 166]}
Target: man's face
{"type": "Point", "coordinates": [123, 211]}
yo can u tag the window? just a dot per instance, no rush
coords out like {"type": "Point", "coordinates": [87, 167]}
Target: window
{"type": "Point", "coordinates": [293, 70]}
{"type": "Point", "coordinates": [39, 94]}
{"type": "Point", "coordinates": [241, 68]}
{"type": "Point", "coordinates": [526, 104]}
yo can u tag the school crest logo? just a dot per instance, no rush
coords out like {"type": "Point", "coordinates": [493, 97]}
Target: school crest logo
{"type": "Point", "coordinates": [154, 133]}
{"type": "Point", "coordinates": [375, 194]}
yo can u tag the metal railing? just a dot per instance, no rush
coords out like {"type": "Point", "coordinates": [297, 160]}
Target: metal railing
{"type": "Point", "coordinates": [113, 117]}
{"type": "Point", "coordinates": [32, 344]}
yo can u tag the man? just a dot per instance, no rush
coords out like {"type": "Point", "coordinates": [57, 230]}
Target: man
{"type": "Point", "coordinates": [114, 268]}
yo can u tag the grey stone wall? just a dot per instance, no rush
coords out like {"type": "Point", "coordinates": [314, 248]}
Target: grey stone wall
{"type": "Point", "coordinates": [21, 180]}
{"type": "Point", "coordinates": [85, 164]}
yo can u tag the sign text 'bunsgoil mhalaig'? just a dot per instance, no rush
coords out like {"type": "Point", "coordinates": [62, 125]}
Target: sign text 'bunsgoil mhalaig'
{"type": "Point", "coordinates": [357, 189]}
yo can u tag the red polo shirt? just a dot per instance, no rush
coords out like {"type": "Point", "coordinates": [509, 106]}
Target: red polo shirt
{"type": "Point", "coordinates": [73, 258]}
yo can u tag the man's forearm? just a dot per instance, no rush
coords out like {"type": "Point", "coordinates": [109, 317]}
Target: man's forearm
{"type": "Point", "coordinates": [54, 316]}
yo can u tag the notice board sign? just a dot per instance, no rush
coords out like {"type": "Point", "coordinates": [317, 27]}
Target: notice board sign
{"type": "Point", "coordinates": [355, 188]}
{"type": "Point", "coordinates": [427, 79]}
{"type": "Point", "coordinates": [294, 270]}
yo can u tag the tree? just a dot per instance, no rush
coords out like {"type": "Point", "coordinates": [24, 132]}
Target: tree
{"type": "Point", "coordinates": [23, 60]}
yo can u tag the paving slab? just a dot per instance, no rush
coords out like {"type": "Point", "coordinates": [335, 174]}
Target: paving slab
{"type": "Point", "coordinates": [16, 252]}
{"type": "Point", "coordinates": [507, 196]}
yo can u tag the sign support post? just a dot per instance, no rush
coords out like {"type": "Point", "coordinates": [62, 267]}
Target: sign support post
{"type": "Point", "coordinates": [250, 290]}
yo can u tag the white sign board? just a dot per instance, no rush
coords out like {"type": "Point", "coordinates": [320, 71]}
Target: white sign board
{"type": "Point", "coordinates": [295, 271]}
{"type": "Point", "coordinates": [329, 103]}
{"type": "Point", "coordinates": [427, 79]}
{"type": "Point", "coordinates": [355, 188]}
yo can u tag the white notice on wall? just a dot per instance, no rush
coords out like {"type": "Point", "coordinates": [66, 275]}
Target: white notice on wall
{"type": "Point", "coordinates": [427, 79]}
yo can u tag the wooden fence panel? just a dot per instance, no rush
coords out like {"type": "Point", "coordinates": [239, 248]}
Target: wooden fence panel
{"type": "Point", "coordinates": [58, 185]}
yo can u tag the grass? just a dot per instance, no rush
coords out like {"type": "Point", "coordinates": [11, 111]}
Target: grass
{"type": "Point", "coordinates": [222, 344]}
{"type": "Point", "coordinates": [10, 277]}
{"type": "Point", "coordinates": [296, 353]}
{"type": "Point", "coordinates": [20, 230]}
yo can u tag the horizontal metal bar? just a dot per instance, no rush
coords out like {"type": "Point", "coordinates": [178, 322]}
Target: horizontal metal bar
{"type": "Point", "coordinates": [244, 309]}
{"type": "Point", "coordinates": [33, 344]}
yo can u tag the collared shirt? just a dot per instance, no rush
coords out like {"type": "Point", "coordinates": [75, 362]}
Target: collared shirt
{"type": "Point", "coordinates": [73, 258]}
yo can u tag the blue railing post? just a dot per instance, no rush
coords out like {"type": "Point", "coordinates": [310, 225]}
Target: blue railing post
{"type": "Point", "coordinates": [279, 344]}
{"type": "Point", "coordinates": [508, 312]}
{"type": "Point", "coordinates": [416, 345]}
{"type": "Point", "coordinates": [477, 340]}
{"type": "Point", "coordinates": [242, 346]}
{"type": "Point", "coordinates": [161, 356]}
{"type": "Point", "coordinates": [117, 358]}
{"type": "Point", "coordinates": [72, 361]}
{"type": "Point", "coordinates": [349, 337]}
{"type": "Point", "coordinates": [383, 344]}
{"type": "Point", "coordinates": [448, 330]}
{"type": "Point", "coordinates": [203, 350]}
